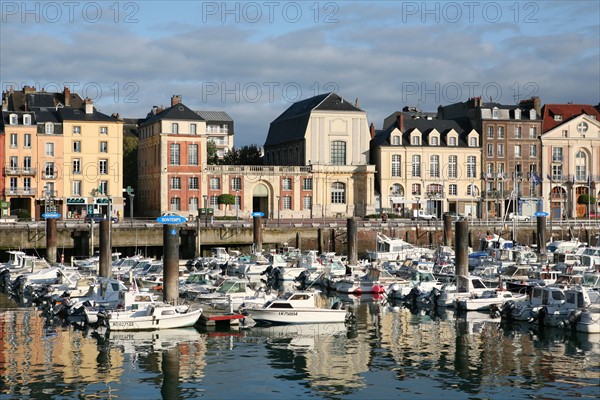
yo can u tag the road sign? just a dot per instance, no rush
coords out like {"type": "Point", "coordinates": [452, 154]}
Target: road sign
{"type": "Point", "coordinates": [171, 219]}
{"type": "Point", "coordinates": [51, 215]}
{"type": "Point", "coordinates": [258, 214]}
{"type": "Point", "coordinates": [540, 214]}
{"type": "Point", "coordinates": [173, 232]}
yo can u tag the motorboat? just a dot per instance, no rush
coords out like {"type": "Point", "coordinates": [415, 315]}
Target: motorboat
{"type": "Point", "coordinates": [387, 248]}
{"type": "Point", "coordinates": [488, 299]}
{"type": "Point", "coordinates": [374, 280]}
{"type": "Point", "coordinates": [465, 287]}
{"type": "Point", "coordinates": [581, 310]}
{"type": "Point", "coordinates": [298, 307]}
{"type": "Point", "coordinates": [528, 309]}
{"type": "Point", "coordinates": [421, 281]}
{"type": "Point", "coordinates": [159, 315]}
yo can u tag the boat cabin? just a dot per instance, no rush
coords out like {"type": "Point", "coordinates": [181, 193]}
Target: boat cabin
{"type": "Point", "coordinates": [231, 286]}
{"type": "Point", "coordinates": [293, 300]}
{"type": "Point", "coordinates": [547, 295]}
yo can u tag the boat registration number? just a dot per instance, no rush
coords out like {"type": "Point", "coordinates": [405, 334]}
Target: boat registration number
{"type": "Point", "coordinates": [288, 313]}
{"type": "Point", "coordinates": [123, 323]}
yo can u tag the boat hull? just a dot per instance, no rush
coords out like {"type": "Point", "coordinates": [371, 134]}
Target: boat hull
{"type": "Point", "coordinates": [297, 316]}
{"type": "Point", "coordinates": [125, 321]}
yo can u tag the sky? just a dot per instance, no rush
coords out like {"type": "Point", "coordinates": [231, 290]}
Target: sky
{"type": "Point", "coordinates": [254, 59]}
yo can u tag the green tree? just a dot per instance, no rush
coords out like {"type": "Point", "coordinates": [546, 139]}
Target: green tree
{"type": "Point", "coordinates": [130, 159]}
{"type": "Point", "coordinates": [227, 199]}
{"type": "Point", "coordinates": [211, 153]}
{"type": "Point", "coordinates": [586, 199]}
{"type": "Point", "coordinates": [246, 155]}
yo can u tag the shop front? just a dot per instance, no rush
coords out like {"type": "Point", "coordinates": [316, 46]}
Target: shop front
{"type": "Point", "coordinates": [76, 208]}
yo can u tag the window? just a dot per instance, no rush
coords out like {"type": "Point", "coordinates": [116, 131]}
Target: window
{"type": "Point", "coordinates": [14, 142]}
{"type": "Point", "coordinates": [77, 147]}
{"type": "Point", "coordinates": [396, 189]}
{"type": "Point", "coordinates": [26, 119]}
{"type": "Point", "coordinates": [27, 163]}
{"type": "Point", "coordinates": [557, 172]}
{"type": "Point", "coordinates": [490, 150]}
{"type": "Point", "coordinates": [14, 183]}
{"type": "Point", "coordinates": [338, 193]}
{"type": "Point", "coordinates": [236, 183]}
{"type": "Point", "coordinates": [396, 140]}
{"type": "Point", "coordinates": [416, 165]}
{"type": "Point", "coordinates": [473, 142]}
{"type": "Point", "coordinates": [27, 141]}
{"type": "Point", "coordinates": [532, 132]}
{"type": "Point", "coordinates": [49, 170]}
{"type": "Point", "coordinates": [214, 201]}
{"type": "Point", "coordinates": [26, 185]}
{"type": "Point", "coordinates": [501, 150]}
{"type": "Point", "coordinates": [453, 167]}
{"type": "Point", "coordinates": [103, 147]}
{"type": "Point", "coordinates": [452, 141]}
{"type": "Point", "coordinates": [532, 150]}
{"type": "Point", "coordinates": [49, 128]}
{"type": "Point", "coordinates": [471, 167]}
{"type": "Point", "coordinates": [434, 166]}
{"type": "Point", "coordinates": [76, 166]}
{"type": "Point", "coordinates": [238, 202]}
{"type": "Point", "coordinates": [396, 166]}
{"type": "Point", "coordinates": [76, 188]}
{"type": "Point", "coordinates": [416, 140]}
{"type": "Point", "coordinates": [175, 204]}
{"type": "Point", "coordinates": [580, 166]}
{"type": "Point", "coordinates": [286, 184]}
{"type": "Point", "coordinates": [193, 129]}
{"type": "Point", "coordinates": [14, 120]}
{"type": "Point", "coordinates": [174, 154]}
{"type": "Point", "coordinates": [192, 154]}
{"type": "Point", "coordinates": [472, 190]}
{"type": "Point", "coordinates": [517, 132]}
{"type": "Point", "coordinates": [495, 113]}
{"type": "Point", "coordinates": [215, 183]}
{"type": "Point", "coordinates": [307, 184]}
{"type": "Point", "coordinates": [175, 183]}
{"type": "Point", "coordinates": [518, 150]}
{"type": "Point", "coordinates": [174, 127]}
{"type": "Point", "coordinates": [557, 154]}
{"type": "Point", "coordinates": [307, 202]}
{"type": "Point", "coordinates": [50, 149]}
{"type": "Point", "coordinates": [286, 202]}
{"type": "Point", "coordinates": [452, 189]}
{"type": "Point", "coordinates": [14, 163]}
{"type": "Point", "coordinates": [416, 189]}
{"type": "Point", "coordinates": [338, 152]}
{"type": "Point", "coordinates": [517, 113]}
{"type": "Point", "coordinates": [500, 132]}
{"type": "Point", "coordinates": [434, 141]}
{"type": "Point", "coordinates": [558, 117]}
{"type": "Point", "coordinates": [103, 167]}
{"type": "Point", "coordinates": [76, 130]}
{"type": "Point", "coordinates": [193, 183]}
{"type": "Point", "coordinates": [104, 130]}
{"type": "Point", "coordinates": [490, 132]}
{"type": "Point", "coordinates": [193, 204]}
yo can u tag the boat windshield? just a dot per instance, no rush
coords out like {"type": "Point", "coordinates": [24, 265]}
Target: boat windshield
{"type": "Point", "coordinates": [230, 287]}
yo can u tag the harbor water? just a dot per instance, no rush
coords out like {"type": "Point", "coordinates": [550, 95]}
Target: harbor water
{"type": "Point", "coordinates": [386, 353]}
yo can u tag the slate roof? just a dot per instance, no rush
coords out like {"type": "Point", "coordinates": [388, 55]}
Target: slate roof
{"type": "Point", "coordinates": [177, 112]}
{"type": "Point", "coordinates": [79, 114]}
{"type": "Point", "coordinates": [567, 111]}
{"type": "Point", "coordinates": [215, 116]}
{"type": "Point", "coordinates": [425, 126]}
{"type": "Point", "coordinates": [291, 125]}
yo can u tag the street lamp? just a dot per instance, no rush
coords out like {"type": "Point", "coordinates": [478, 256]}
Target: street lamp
{"type": "Point", "coordinates": [205, 210]}
{"type": "Point", "coordinates": [131, 196]}
{"type": "Point", "coordinates": [278, 209]}
{"type": "Point", "coordinates": [238, 200]}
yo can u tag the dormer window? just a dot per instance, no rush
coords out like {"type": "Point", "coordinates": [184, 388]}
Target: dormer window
{"type": "Point", "coordinates": [434, 141]}
{"type": "Point", "coordinates": [495, 113]}
{"type": "Point", "coordinates": [26, 119]}
{"type": "Point", "coordinates": [532, 114]}
{"type": "Point", "coordinates": [416, 141]}
{"type": "Point", "coordinates": [49, 128]}
{"type": "Point", "coordinates": [517, 113]}
{"type": "Point", "coordinates": [13, 120]}
{"type": "Point", "coordinates": [473, 142]}
{"type": "Point", "coordinates": [396, 140]}
{"type": "Point", "coordinates": [174, 127]}
{"type": "Point", "coordinates": [558, 117]}
{"type": "Point", "coordinates": [452, 141]}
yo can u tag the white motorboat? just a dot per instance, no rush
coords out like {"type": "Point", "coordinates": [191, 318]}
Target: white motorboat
{"type": "Point", "coordinates": [529, 308]}
{"type": "Point", "coordinates": [421, 281]}
{"type": "Point", "coordinates": [580, 310]}
{"type": "Point", "coordinates": [397, 249]}
{"type": "Point", "coordinates": [466, 287]}
{"type": "Point", "coordinates": [298, 307]}
{"type": "Point", "coordinates": [156, 316]}
{"type": "Point", "coordinates": [487, 300]}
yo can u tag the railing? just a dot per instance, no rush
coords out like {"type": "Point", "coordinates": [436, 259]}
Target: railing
{"type": "Point", "coordinates": [19, 191]}
{"type": "Point", "coordinates": [256, 169]}
{"type": "Point", "coordinates": [10, 171]}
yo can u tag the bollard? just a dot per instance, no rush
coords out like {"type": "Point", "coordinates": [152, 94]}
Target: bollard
{"type": "Point", "coordinates": [352, 240]}
{"type": "Point", "coordinates": [105, 264]}
{"type": "Point", "coordinates": [170, 263]}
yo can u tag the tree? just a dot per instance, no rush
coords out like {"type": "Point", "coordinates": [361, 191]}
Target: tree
{"type": "Point", "coordinates": [227, 199]}
{"type": "Point", "coordinates": [212, 158]}
{"type": "Point", "coordinates": [246, 155]}
{"type": "Point", "coordinates": [587, 200]}
{"type": "Point", "coordinates": [130, 159]}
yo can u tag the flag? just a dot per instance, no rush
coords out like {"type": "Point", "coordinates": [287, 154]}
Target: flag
{"type": "Point", "coordinates": [549, 177]}
{"type": "Point", "coordinates": [537, 180]}
{"type": "Point", "coordinates": [589, 181]}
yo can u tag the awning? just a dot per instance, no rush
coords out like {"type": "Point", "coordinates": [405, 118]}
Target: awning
{"type": "Point", "coordinates": [402, 200]}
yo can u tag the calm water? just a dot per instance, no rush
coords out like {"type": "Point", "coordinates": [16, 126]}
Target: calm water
{"type": "Point", "coordinates": [390, 353]}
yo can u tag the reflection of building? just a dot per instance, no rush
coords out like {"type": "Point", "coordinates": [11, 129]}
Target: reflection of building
{"type": "Point", "coordinates": [509, 152]}
{"type": "Point", "coordinates": [425, 163]}
{"type": "Point", "coordinates": [570, 153]}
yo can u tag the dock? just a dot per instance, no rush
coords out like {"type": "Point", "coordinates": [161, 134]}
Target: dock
{"type": "Point", "coordinates": [220, 319]}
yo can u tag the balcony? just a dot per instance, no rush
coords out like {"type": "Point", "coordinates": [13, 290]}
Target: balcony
{"type": "Point", "coordinates": [19, 191]}
{"type": "Point", "coordinates": [49, 176]}
{"type": "Point", "coordinates": [434, 195]}
{"type": "Point", "coordinates": [10, 171]}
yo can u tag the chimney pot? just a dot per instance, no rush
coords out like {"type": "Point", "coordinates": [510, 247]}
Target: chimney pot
{"type": "Point", "coordinates": [175, 99]}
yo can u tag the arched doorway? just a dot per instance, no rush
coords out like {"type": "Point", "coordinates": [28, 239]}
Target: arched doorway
{"type": "Point", "coordinates": [260, 199]}
{"type": "Point", "coordinates": [580, 209]}
{"type": "Point", "coordinates": [558, 198]}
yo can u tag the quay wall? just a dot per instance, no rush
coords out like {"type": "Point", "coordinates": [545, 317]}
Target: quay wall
{"type": "Point", "coordinates": [76, 239]}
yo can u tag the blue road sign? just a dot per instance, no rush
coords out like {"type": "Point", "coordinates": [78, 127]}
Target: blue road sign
{"type": "Point", "coordinates": [540, 214]}
{"type": "Point", "coordinates": [258, 214]}
{"type": "Point", "coordinates": [51, 215]}
{"type": "Point", "coordinates": [173, 232]}
{"type": "Point", "coordinates": [171, 219]}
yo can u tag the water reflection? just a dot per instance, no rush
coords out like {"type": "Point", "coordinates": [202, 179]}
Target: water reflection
{"type": "Point", "coordinates": [388, 351]}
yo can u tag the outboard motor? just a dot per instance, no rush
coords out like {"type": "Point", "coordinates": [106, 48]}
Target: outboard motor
{"type": "Point", "coordinates": [302, 279]}
{"type": "Point", "coordinates": [18, 286]}
{"type": "Point", "coordinates": [4, 280]}
{"type": "Point", "coordinates": [572, 320]}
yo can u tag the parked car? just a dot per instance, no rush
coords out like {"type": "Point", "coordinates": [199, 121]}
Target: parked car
{"type": "Point", "coordinates": [594, 214]}
{"type": "Point", "coordinates": [518, 217]}
{"type": "Point", "coordinates": [98, 218]}
{"type": "Point", "coordinates": [422, 214]}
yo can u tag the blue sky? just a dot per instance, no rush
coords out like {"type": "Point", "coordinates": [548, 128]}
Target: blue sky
{"type": "Point", "coordinates": [254, 59]}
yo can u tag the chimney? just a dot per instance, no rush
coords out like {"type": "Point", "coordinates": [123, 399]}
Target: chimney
{"type": "Point", "coordinates": [89, 106]}
{"type": "Point", "coordinates": [372, 130]}
{"type": "Point", "coordinates": [28, 89]}
{"type": "Point", "coordinates": [4, 104]}
{"type": "Point", "coordinates": [175, 99]}
{"type": "Point", "coordinates": [67, 94]}
{"type": "Point", "coordinates": [400, 122]}
{"type": "Point", "coordinates": [356, 103]}
{"type": "Point", "coordinates": [537, 105]}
